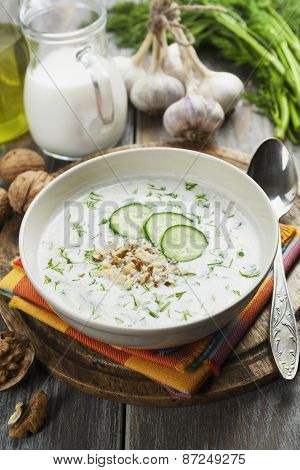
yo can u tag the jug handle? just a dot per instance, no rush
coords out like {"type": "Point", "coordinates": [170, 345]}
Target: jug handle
{"type": "Point", "coordinates": [93, 63]}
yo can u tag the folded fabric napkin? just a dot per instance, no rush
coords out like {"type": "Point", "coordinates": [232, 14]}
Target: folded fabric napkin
{"type": "Point", "coordinates": [181, 370]}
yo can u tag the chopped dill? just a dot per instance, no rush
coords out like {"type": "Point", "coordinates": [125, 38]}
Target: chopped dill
{"type": "Point", "coordinates": [119, 320]}
{"type": "Point", "coordinates": [241, 253]}
{"type": "Point", "coordinates": [93, 199]}
{"type": "Point", "coordinates": [97, 235]}
{"type": "Point", "coordinates": [190, 186]}
{"type": "Point", "coordinates": [103, 221]}
{"type": "Point", "coordinates": [172, 195]}
{"type": "Point", "coordinates": [54, 267]}
{"type": "Point", "coordinates": [155, 188]}
{"type": "Point", "coordinates": [135, 191]}
{"type": "Point", "coordinates": [134, 301]}
{"type": "Point", "coordinates": [88, 254]}
{"type": "Point", "coordinates": [165, 306]}
{"type": "Point", "coordinates": [47, 280]}
{"type": "Point", "coordinates": [79, 229]}
{"type": "Point", "coordinates": [174, 204]}
{"type": "Point", "coordinates": [178, 295]}
{"type": "Point", "coordinates": [201, 197]}
{"type": "Point", "coordinates": [94, 313]}
{"type": "Point", "coordinates": [186, 314]}
{"type": "Point", "coordinates": [152, 314]}
{"type": "Point", "coordinates": [56, 284]}
{"type": "Point", "coordinates": [102, 287]}
{"type": "Point", "coordinates": [63, 254]}
{"type": "Point", "coordinates": [198, 218]}
{"type": "Point", "coordinates": [237, 292]}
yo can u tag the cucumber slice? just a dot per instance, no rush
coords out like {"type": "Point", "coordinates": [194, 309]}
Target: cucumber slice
{"type": "Point", "coordinates": [183, 243]}
{"type": "Point", "coordinates": [128, 220]}
{"type": "Point", "coordinates": [158, 223]}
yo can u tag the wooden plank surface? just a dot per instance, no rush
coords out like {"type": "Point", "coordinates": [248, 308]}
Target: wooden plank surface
{"type": "Point", "coordinates": [95, 423]}
{"type": "Point", "coordinates": [267, 418]}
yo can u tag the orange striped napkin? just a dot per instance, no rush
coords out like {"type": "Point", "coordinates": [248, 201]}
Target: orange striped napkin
{"type": "Point", "coordinates": [181, 370]}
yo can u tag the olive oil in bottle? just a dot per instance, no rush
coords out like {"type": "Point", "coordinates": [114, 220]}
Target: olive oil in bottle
{"type": "Point", "coordinates": [13, 62]}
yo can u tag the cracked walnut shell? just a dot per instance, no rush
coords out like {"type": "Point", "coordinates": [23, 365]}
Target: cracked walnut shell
{"type": "Point", "coordinates": [16, 161]}
{"type": "Point", "coordinates": [25, 187]}
{"type": "Point", "coordinates": [16, 357]}
{"type": "Point", "coordinates": [5, 208]}
{"type": "Point", "coordinates": [32, 418]}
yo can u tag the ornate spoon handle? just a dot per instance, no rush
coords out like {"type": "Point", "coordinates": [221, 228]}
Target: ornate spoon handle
{"type": "Point", "coordinates": [284, 336]}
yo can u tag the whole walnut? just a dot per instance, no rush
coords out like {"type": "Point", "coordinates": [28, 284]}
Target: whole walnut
{"type": "Point", "coordinates": [25, 187]}
{"type": "Point", "coordinates": [5, 208]}
{"type": "Point", "coordinates": [16, 161]}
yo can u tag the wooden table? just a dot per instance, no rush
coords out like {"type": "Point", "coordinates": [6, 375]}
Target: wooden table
{"type": "Point", "coordinates": [267, 418]}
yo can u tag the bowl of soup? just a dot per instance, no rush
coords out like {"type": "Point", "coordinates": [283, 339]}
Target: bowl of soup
{"type": "Point", "coordinates": [149, 248]}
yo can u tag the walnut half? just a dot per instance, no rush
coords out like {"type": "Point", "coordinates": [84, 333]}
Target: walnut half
{"type": "Point", "coordinates": [17, 354]}
{"type": "Point", "coordinates": [33, 416]}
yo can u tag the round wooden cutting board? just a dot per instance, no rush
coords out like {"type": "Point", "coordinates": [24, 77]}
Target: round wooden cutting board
{"type": "Point", "coordinates": [87, 370]}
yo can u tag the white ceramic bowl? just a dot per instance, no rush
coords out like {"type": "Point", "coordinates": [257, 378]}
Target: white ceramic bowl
{"type": "Point", "coordinates": [131, 163]}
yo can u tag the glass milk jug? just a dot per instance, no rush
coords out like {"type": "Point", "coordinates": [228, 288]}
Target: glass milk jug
{"type": "Point", "coordinates": [75, 99]}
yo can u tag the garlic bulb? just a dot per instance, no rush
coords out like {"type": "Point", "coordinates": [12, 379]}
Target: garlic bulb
{"type": "Point", "coordinates": [154, 92]}
{"type": "Point", "coordinates": [194, 117]}
{"type": "Point", "coordinates": [131, 68]}
{"type": "Point", "coordinates": [129, 71]}
{"type": "Point", "coordinates": [224, 87]}
{"type": "Point", "coordinates": [172, 63]}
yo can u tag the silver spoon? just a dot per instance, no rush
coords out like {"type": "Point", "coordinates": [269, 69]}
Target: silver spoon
{"type": "Point", "coordinates": [273, 168]}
